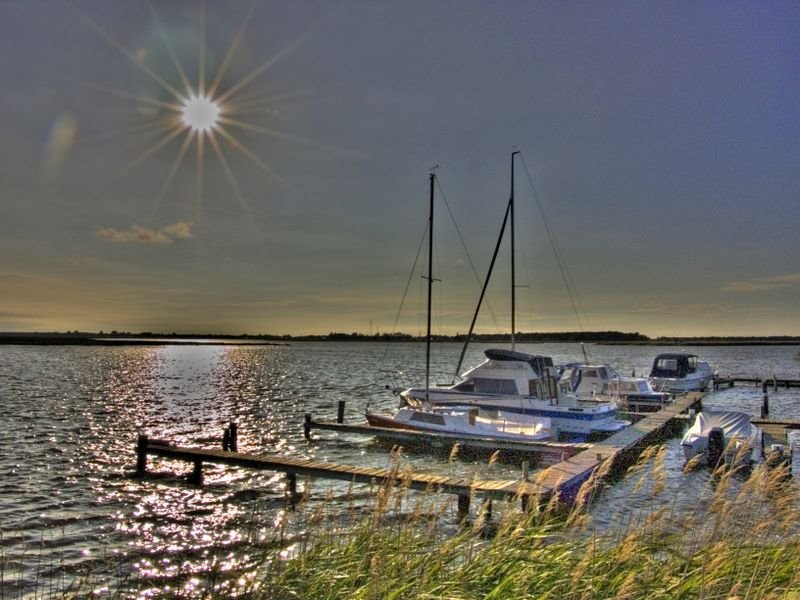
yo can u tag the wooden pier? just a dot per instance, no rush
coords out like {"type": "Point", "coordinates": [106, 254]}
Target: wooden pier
{"type": "Point", "coordinates": [775, 383]}
{"type": "Point", "coordinates": [563, 478]}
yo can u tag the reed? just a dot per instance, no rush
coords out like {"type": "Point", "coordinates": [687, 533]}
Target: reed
{"type": "Point", "coordinates": [742, 542]}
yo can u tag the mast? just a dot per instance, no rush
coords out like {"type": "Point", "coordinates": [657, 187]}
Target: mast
{"type": "Point", "coordinates": [509, 213]}
{"type": "Point", "coordinates": [513, 268]}
{"type": "Point", "coordinates": [430, 289]}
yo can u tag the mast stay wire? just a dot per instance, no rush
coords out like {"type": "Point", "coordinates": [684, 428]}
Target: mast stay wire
{"type": "Point", "coordinates": [466, 251]}
{"type": "Point", "coordinates": [565, 277]}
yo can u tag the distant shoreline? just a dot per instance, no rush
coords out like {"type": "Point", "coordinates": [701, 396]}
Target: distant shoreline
{"type": "Point", "coordinates": [160, 339]}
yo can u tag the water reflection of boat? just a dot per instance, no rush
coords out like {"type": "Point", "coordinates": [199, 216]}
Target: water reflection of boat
{"type": "Point", "coordinates": [680, 372]}
{"type": "Point", "coordinates": [726, 435]}
{"type": "Point", "coordinates": [602, 383]}
{"type": "Point", "coordinates": [467, 422]}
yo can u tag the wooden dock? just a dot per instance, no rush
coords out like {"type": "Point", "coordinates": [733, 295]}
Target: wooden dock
{"type": "Point", "coordinates": [620, 450]}
{"type": "Point", "coordinates": [563, 478]}
{"type": "Point", "coordinates": [775, 383]}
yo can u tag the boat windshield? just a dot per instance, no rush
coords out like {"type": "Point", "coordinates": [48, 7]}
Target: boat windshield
{"type": "Point", "coordinates": [485, 385]}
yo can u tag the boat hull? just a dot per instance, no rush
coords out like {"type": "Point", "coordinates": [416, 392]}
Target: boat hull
{"type": "Point", "coordinates": [465, 424]}
{"type": "Point", "coordinates": [571, 420]}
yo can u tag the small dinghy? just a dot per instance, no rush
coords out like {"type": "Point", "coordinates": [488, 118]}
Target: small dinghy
{"type": "Point", "coordinates": [723, 435]}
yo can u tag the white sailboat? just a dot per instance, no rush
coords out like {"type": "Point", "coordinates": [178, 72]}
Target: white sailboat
{"type": "Point", "coordinates": [514, 382]}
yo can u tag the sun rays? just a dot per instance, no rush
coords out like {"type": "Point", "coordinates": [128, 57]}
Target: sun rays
{"type": "Point", "coordinates": [192, 113]}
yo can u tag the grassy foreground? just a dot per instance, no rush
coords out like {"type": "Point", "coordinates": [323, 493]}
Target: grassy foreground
{"type": "Point", "coordinates": [742, 543]}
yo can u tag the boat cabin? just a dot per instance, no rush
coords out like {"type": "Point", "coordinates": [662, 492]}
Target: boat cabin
{"type": "Point", "coordinates": [674, 364]}
{"type": "Point", "coordinates": [512, 373]}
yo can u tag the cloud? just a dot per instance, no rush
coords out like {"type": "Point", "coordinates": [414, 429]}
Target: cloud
{"type": "Point", "coordinates": [760, 284]}
{"type": "Point", "coordinates": [140, 235]}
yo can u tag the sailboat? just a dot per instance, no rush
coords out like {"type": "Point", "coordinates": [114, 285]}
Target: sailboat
{"type": "Point", "coordinates": [466, 422]}
{"type": "Point", "coordinates": [516, 383]}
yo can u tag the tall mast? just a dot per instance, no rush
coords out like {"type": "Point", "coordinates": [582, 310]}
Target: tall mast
{"type": "Point", "coordinates": [430, 289]}
{"type": "Point", "coordinates": [513, 269]}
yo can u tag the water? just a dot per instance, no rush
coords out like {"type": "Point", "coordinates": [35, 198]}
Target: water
{"type": "Point", "coordinates": [72, 514]}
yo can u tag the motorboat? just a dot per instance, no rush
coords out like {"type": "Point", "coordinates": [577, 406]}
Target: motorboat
{"type": "Point", "coordinates": [679, 372]}
{"type": "Point", "coordinates": [602, 383]}
{"type": "Point", "coordinates": [722, 435]}
{"type": "Point", "coordinates": [467, 422]}
{"type": "Point", "coordinates": [525, 385]}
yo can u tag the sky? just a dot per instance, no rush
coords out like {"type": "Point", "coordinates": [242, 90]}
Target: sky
{"type": "Point", "coordinates": [657, 187]}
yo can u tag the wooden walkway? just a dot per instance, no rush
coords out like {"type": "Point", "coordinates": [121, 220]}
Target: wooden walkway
{"type": "Point", "coordinates": [774, 383]}
{"type": "Point", "coordinates": [621, 449]}
{"type": "Point", "coordinates": [564, 478]}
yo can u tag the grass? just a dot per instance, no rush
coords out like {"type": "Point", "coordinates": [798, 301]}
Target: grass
{"type": "Point", "coordinates": [743, 543]}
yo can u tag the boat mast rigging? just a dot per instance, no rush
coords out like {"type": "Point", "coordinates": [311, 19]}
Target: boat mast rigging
{"type": "Point", "coordinates": [509, 213]}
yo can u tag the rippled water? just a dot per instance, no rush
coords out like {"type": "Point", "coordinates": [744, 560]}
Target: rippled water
{"type": "Point", "coordinates": [72, 514]}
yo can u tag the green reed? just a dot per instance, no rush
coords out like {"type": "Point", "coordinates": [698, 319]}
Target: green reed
{"type": "Point", "coordinates": [742, 542]}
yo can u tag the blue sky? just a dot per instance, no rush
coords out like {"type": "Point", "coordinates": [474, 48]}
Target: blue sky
{"type": "Point", "coordinates": [662, 141]}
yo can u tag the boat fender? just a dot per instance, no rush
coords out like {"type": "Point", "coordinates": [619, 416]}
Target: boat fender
{"type": "Point", "coordinates": [716, 445]}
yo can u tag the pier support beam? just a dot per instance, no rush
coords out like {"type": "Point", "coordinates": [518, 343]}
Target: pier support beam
{"type": "Point", "coordinates": [291, 488]}
{"type": "Point", "coordinates": [197, 473]}
{"type": "Point", "coordinates": [463, 508]}
{"type": "Point", "coordinates": [307, 426]}
{"type": "Point", "coordinates": [764, 400]}
{"type": "Point", "coordinates": [141, 454]}
{"type": "Point", "coordinates": [340, 412]}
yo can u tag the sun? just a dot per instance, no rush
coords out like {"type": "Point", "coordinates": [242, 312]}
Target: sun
{"type": "Point", "coordinates": [200, 113]}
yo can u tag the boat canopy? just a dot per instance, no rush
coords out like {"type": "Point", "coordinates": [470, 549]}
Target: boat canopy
{"type": "Point", "coordinates": [674, 364]}
{"type": "Point", "coordinates": [538, 362]}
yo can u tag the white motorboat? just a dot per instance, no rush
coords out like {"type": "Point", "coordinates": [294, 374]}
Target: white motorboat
{"type": "Point", "coordinates": [727, 435]}
{"type": "Point", "coordinates": [525, 385]}
{"type": "Point", "coordinates": [602, 383]}
{"type": "Point", "coordinates": [467, 422]}
{"type": "Point", "coordinates": [680, 372]}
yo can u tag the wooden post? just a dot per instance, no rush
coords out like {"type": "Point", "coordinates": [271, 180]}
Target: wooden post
{"type": "Point", "coordinates": [226, 439]}
{"type": "Point", "coordinates": [487, 512]}
{"type": "Point", "coordinates": [525, 467]}
{"type": "Point", "coordinates": [197, 473]}
{"type": "Point", "coordinates": [141, 454]}
{"type": "Point", "coordinates": [340, 412]}
{"type": "Point", "coordinates": [463, 507]}
{"type": "Point", "coordinates": [233, 439]}
{"type": "Point", "coordinates": [291, 487]}
{"type": "Point", "coordinates": [764, 400]}
{"type": "Point", "coordinates": [307, 426]}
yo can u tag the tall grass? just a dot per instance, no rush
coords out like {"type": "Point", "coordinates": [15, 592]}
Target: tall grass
{"type": "Point", "coordinates": [743, 542]}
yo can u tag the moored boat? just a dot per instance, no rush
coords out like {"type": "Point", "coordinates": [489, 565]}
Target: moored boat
{"type": "Point", "coordinates": [721, 435]}
{"type": "Point", "coordinates": [680, 372]}
{"type": "Point", "coordinates": [525, 385]}
{"type": "Point", "coordinates": [603, 383]}
{"type": "Point", "coordinates": [466, 422]}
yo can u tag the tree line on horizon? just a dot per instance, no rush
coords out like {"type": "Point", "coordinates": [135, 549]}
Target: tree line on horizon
{"type": "Point", "coordinates": [531, 337]}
